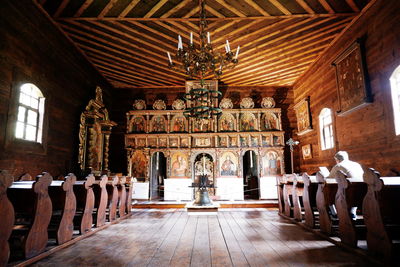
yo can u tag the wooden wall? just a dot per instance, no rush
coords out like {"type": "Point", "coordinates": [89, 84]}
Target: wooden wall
{"type": "Point", "coordinates": [32, 46]}
{"type": "Point", "coordinates": [123, 100]}
{"type": "Point", "coordinates": [367, 134]}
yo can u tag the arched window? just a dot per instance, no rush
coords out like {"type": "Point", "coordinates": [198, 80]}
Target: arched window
{"type": "Point", "coordinates": [29, 124]}
{"type": "Point", "coordinates": [326, 129]}
{"type": "Point", "coordinates": [395, 85]}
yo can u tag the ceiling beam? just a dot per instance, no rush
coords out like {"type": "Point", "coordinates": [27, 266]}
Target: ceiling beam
{"type": "Point", "coordinates": [257, 7]}
{"type": "Point", "coordinates": [107, 8]}
{"type": "Point", "coordinates": [353, 5]}
{"type": "Point", "coordinates": [305, 6]}
{"type": "Point", "coordinates": [230, 8]}
{"type": "Point", "coordinates": [60, 8]}
{"type": "Point", "coordinates": [280, 7]}
{"type": "Point", "coordinates": [326, 6]}
{"type": "Point", "coordinates": [188, 18]}
{"type": "Point", "coordinates": [176, 8]}
{"type": "Point", "coordinates": [155, 8]}
{"type": "Point", "coordinates": [82, 9]}
{"type": "Point", "coordinates": [128, 8]}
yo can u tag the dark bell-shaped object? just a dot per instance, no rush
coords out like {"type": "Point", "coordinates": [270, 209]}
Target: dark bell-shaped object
{"type": "Point", "coordinates": [202, 198]}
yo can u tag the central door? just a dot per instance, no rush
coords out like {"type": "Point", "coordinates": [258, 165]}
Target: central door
{"type": "Point", "coordinates": [158, 173]}
{"type": "Point", "coordinates": [250, 177]}
{"type": "Point", "coordinates": [203, 164]}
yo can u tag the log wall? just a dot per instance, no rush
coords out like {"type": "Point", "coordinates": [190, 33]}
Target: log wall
{"type": "Point", "coordinates": [32, 46]}
{"type": "Point", "coordinates": [368, 133]}
{"type": "Point", "coordinates": [124, 98]}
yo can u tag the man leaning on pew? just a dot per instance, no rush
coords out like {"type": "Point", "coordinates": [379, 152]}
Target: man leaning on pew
{"type": "Point", "coordinates": [351, 169]}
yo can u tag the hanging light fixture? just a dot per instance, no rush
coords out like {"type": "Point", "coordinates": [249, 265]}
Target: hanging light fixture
{"type": "Point", "coordinates": [202, 61]}
{"type": "Point", "coordinates": [199, 62]}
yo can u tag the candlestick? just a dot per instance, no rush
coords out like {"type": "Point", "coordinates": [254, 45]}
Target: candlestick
{"type": "Point", "coordinates": [157, 158]}
{"type": "Point", "coordinates": [204, 165]}
{"type": "Point", "coordinates": [208, 37]}
{"type": "Point", "coordinates": [251, 159]}
{"type": "Point", "coordinates": [180, 42]}
{"type": "Point", "coordinates": [227, 45]}
{"type": "Point", "coordinates": [191, 38]}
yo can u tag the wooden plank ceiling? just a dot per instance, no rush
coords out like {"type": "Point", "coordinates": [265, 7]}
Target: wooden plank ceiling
{"type": "Point", "coordinates": [127, 40]}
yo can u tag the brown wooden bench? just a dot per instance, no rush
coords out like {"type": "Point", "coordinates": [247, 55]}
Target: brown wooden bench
{"type": "Point", "coordinates": [288, 194]}
{"type": "Point", "coordinates": [33, 208]}
{"type": "Point", "coordinates": [84, 204]}
{"type": "Point", "coordinates": [121, 196]}
{"type": "Point", "coordinates": [129, 191]}
{"type": "Point", "coordinates": [6, 216]}
{"type": "Point", "coordinates": [112, 193]}
{"type": "Point", "coordinates": [381, 213]}
{"type": "Point", "coordinates": [101, 198]}
{"type": "Point", "coordinates": [325, 197]}
{"type": "Point", "coordinates": [350, 193]}
{"type": "Point", "coordinates": [281, 203]}
{"type": "Point", "coordinates": [297, 197]}
{"type": "Point", "coordinates": [64, 207]}
{"type": "Point", "coordinates": [309, 199]}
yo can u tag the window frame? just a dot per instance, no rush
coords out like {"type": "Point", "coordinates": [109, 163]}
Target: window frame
{"type": "Point", "coordinates": [322, 127]}
{"type": "Point", "coordinates": [395, 86]}
{"type": "Point", "coordinates": [18, 145]}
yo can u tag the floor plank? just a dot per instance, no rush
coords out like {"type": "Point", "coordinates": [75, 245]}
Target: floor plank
{"type": "Point", "coordinates": [233, 237]}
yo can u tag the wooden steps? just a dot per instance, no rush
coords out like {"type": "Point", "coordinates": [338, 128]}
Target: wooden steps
{"type": "Point", "coordinates": [223, 204]}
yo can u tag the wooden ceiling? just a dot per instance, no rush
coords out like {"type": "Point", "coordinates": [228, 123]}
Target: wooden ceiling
{"type": "Point", "coordinates": [127, 40]}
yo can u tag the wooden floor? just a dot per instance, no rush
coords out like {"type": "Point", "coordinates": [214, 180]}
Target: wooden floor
{"type": "Point", "coordinates": [234, 237]}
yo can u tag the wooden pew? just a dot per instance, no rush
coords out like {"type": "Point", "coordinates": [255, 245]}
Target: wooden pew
{"type": "Point", "coordinates": [121, 196]}
{"type": "Point", "coordinates": [297, 197]}
{"type": "Point", "coordinates": [84, 204]}
{"type": "Point", "coordinates": [288, 194]}
{"type": "Point", "coordinates": [325, 197]}
{"type": "Point", "coordinates": [101, 198]}
{"type": "Point", "coordinates": [129, 191]}
{"type": "Point", "coordinates": [6, 215]}
{"type": "Point", "coordinates": [309, 199]}
{"type": "Point", "coordinates": [381, 213]}
{"type": "Point", "coordinates": [281, 203]}
{"type": "Point", "coordinates": [350, 193]}
{"type": "Point", "coordinates": [112, 193]}
{"type": "Point", "coordinates": [33, 210]}
{"type": "Point", "coordinates": [64, 206]}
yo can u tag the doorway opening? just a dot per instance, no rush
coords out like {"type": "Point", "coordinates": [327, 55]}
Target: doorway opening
{"type": "Point", "coordinates": [204, 164]}
{"type": "Point", "coordinates": [158, 174]}
{"type": "Point", "coordinates": [250, 175]}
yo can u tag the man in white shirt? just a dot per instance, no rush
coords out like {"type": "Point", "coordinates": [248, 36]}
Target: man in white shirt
{"type": "Point", "coordinates": [351, 169]}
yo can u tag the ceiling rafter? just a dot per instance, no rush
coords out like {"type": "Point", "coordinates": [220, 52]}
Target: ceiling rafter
{"type": "Point", "coordinates": [60, 8]}
{"type": "Point", "coordinates": [107, 8]}
{"type": "Point", "coordinates": [83, 7]}
{"type": "Point", "coordinates": [306, 7]}
{"type": "Point", "coordinates": [281, 8]}
{"type": "Point", "coordinates": [176, 8]}
{"type": "Point", "coordinates": [326, 6]}
{"type": "Point", "coordinates": [230, 8]}
{"type": "Point", "coordinates": [353, 5]}
{"type": "Point", "coordinates": [128, 8]}
{"type": "Point", "coordinates": [155, 8]}
{"type": "Point", "coordinates": [257, 7]}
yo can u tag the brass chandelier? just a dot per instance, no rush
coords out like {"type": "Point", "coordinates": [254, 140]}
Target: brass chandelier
{"type": "Point", "coordinates": [199, 62]}
{"type": "Point", "coordinates": [202, 61]}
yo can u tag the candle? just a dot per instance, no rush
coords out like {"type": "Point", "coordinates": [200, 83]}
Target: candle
{"type": "Point", "coordinates": [227, 45]}
{"type": "Point", "coordinates": [237, 52]}
{"type": "Point", "coordinates": [191, 38]}
{"type": "Point", "coordinates": [157, 158]}
{"type": "Point", "coordinates": [179, 42]}
{"type": "Point", "coordinates": [204, 164]}
{"type": "Point", "coordinates": [169, 58]}
{"type": "Point", "coordinates": [226, 49]}
{"type": "Point", "coordinates": [251, 159]}
{"type": "Point", "coordinates": [208, 37]}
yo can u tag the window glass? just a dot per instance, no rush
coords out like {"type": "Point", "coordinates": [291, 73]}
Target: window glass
{"type": "Point", "coordinates": [326, 129]}
{"type": "Point", "coordinates": [30, 113]}
{"type": "Point", "coordinates": [395, 88]}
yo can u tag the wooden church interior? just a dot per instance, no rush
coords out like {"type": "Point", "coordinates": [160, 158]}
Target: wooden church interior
{"type": "Point", "coordinates": [98, 159]}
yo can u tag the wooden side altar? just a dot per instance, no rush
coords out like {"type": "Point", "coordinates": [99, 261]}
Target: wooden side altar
{"type": "Point", "coordinates": [220, 146]}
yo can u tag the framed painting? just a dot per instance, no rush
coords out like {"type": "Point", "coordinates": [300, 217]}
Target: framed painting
{"type": "Point", "coordinates": [306, 151]}
{"type": "Point", "coordinates": [351, 78]}
{"type": "Point", "coordinates": [303, 116]}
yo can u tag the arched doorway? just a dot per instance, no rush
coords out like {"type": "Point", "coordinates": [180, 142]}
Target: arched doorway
{"type": "Point", "coordinates": [204, 163]}
{"type": "Point", "coordinates": [158, 174]}
{"type": "Point", "coordinates": [250, 175]}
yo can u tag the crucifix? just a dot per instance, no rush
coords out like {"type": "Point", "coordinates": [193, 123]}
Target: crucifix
{"type": "Point", "coordinates": [291, 143]}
